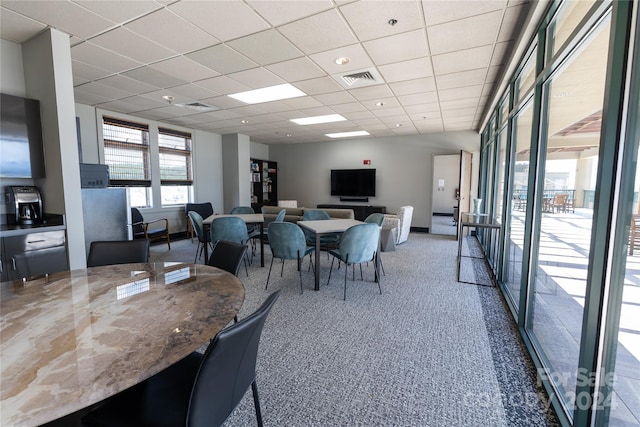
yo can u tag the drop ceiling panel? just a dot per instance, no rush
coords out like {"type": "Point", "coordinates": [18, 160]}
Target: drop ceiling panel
{"type": "Point", "coordinates": [120, 10]}
{"type": "Point", "coordinates": [439, 11]}
{"type": "Point", "coordinates": [397, 48]}
{"type": "Point", "coordinates": [153, 77]}
{"type": "Point", "coordinates": [282, 12]}
{"type": "Point", "coordinates": [64, 15]}
{"type": "Point", "coordinates": [463, 60]}
{"type": "Point", "coordinates": [408, 87]}
{"type": "Point", "coordinates": [334, 98]}
{"type": "Point", "coordinates": [406, 70]}
{"type": "Point", "coordinates": [16, 27]}
{"type": "Point", "coordinates": [128, 85]}
{"type": "Point", "coordinates": [318, 86]}
{"type": "Point", "coordinates": [370, 20]}
{"type": "Point", "coordinates": [223, 85]}
{"type": "Point", "coordinates": [267, 47]}
{"type": "Point", "coordinates": [102, 58]}
{"type": "Point", "coordinates": [132, 45]}
{"type": "Point", "coordinates": [357, 56]}
{"type": "Point", "coordinates": [460, 93]}
{"type": "Point", "coordinates": [296, 69]}
{"type": "Point", "coordinates": [225, 20]}
{"type": "Point", "coordinates": [184, 68]}
{"type": "Point", "coordinates": [222, 58]}
{"type": "Point", "coordinates": [319, 32]}
{"type": "Point", "coordinates": [257, 78]}
{"type": "Point", "coordinates": [172, 31]}
{"type": "Point", "coordinates": [371, 92]}
{"type": "Point", "coordinates": [86, 71]}
{"type": "Point", "coordinates": [470, 32]}
{"type": "Point", "coordinates": [419, 98]}
{"type": "Point", "coordinates": [461, 79]}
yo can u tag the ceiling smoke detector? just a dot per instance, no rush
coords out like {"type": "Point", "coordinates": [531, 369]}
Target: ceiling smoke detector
{"type": "Point", "coordinates": [198, 106]}
{"type": "Point", "coordinates": [359, 78]}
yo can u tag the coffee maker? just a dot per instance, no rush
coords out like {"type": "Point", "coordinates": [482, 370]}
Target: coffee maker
{"type": "Point", "coordinates": [26, 205]}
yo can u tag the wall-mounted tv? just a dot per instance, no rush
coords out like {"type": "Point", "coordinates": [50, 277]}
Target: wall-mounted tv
{"type": "Point", "coordinates": [21, 153]}
{"type": "Point", "coordinates": [353, 182]}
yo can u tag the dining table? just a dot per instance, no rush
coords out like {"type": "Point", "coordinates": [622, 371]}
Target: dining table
{"type": "Point", "coordinates": [69, 340]}
{"type": "Point", "coordinates": [249, 219]}
{"type": "Point", "coordinates": [321, 228]}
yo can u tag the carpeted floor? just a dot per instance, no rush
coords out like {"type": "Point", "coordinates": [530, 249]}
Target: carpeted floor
{"type": "Point", "coordinates": [429, 351]}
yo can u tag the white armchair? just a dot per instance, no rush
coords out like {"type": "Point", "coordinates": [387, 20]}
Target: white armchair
{"type": "Point", "coordinates": [401, 221]}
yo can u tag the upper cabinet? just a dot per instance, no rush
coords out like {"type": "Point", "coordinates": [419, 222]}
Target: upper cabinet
{"type": "Point", "coordinates": [264, 184]}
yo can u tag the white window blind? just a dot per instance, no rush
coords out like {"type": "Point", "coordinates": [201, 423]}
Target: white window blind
{"type": "Point", "coordinates": [175, 157]}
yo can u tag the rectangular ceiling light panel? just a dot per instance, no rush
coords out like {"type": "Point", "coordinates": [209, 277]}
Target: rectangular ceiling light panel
{"type": "Point", "coordinates": [319, 119]}
{"type": "Point", "coordinates": [267, 94]}
{"type": "Point", "coordinates": [347, 134]}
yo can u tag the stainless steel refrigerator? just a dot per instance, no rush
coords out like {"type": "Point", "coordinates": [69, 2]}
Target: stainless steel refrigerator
{"type": "Point", "coordinates": [107, 215]}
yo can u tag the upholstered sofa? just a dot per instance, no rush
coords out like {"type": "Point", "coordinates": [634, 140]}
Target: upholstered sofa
{"type": "Point", "coordinates": [295, 214]}
{"type": "Point", "coordinates": [401, 221]}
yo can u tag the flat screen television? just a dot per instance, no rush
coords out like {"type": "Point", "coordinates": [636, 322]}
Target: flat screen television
{"type": "Point", "coordinates": [21, 153]}
{"type": "Point", "coordinates": [353, 182]}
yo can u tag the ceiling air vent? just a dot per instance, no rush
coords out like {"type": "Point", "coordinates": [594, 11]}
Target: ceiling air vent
{"type": "Point", "coordinates": [198, 106]}
{"type": "Point", "coordinates": [359, 78]}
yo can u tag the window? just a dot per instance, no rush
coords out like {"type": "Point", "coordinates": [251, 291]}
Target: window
{"type": "Point", "coordinates": [126, 151]}
{"type": "Point", "coordinates": [176, 177]}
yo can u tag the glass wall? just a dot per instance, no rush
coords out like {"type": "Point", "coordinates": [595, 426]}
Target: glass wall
{"type": "Point", "coordinates": [570, 246]}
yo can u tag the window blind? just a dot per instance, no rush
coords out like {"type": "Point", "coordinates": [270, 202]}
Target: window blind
{"type": "Point", "coordinates": [175, 157]}
{"type": "Point", "coordinates": [126, 151]}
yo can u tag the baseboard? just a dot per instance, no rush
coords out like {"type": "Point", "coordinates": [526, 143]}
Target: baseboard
{"type": "Point", "coordinates": [442, 214]}
{"type": "Point", "coordinates": [419, 229]}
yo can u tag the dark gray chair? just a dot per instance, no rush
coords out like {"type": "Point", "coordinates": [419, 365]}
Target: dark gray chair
{"type": "Point", "coordinates": [110, 252]}
{"type": "Point", "coordinates": [204, 209]}
{"type": "Point", "coordinates": [200, 390]}
{"type": "Point", "coordinates": [227, 256]}
{"type": "Point", "coordinates": [195, 219]}
{"type": "Point", "coordinates": [159, 227]}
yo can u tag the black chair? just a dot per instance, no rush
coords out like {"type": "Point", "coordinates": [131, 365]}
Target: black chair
{"type": "Point", "coordinates": [201, 389]}
{"type": "Point", "coordinates": [204, 209]}
{"type": "Point", "coordinates": [118, 252]}
{"type": "Point", "coordinates": [141, 229]}
{"type": "Point", "coordinates": [227, 256]}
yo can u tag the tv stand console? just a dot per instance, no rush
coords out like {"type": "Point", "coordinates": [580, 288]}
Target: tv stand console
{"type": "Point", "coordinates": [360, 211]}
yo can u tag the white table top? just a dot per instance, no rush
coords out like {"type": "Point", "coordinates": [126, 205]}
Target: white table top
{"type": "Point", "coordinates": [255, 218]}
{"type": "Point", "coordinates": [329, 225]}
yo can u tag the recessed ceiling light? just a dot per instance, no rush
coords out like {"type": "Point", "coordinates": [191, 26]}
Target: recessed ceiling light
{"type": "Point", "coordinates": [398, 125]}
{"type": "Point", "coordinates": [347, 134]}
{"type": "Point", "coordinates": [267, 94]}
{"type": "Point", "coordinates": [244, 122]}
{"type": "Point", "coordinates": [168, 98]}
{"type": "Point", "coordinates": [319, 119]}
{"type": "Point", "coordinates": [379, 104]}
{"type": "Point", "coordinates": [289, 135]}
{"type": "Point", "coordinates": [342, 60]}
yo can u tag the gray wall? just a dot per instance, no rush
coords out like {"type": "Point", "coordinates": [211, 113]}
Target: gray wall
{"type": "Point", "coordinates": [404, 168]}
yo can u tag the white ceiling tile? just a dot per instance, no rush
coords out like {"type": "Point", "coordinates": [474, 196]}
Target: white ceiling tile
{"type": "Point", "coordinates": [470, 32]}
{"type": "Point", "coordinates": [319, 32]}
{"type": "Point", "coordinates": [224, 102]}
{"type": "Point", "coordinates": [102, 58]}
{"type": "Point", "coordinates": [406, 70]}
{"type": "Point", "coordinates": [120, 10]}
{"type": "Point", "coordinates": [499, 53]}
{"type": "Point", "coordinates": [89, 98]}
{"type": "Point", "coordinates": [464, 78]}
{"type": "Point", "coordinates": [266, 47]}
{"type": "Point", "coordinates": [419, 98]}
{"type": "Point", "coordinates": [351, 108]}
{"type": "Point", "coordinates": [408, 87]}
{"type": "Point", "coordinates": [381, 103]}
{"type": "Point", "coordinates": [222, 59]}
{"type": "Point", "coordinates": [225, 20]}
{"type": "Point", "coordinates": [358, 59]}
{"type": "Point", "coordinates": [465, 112]}
{"type": "Point", "coordinates": [153, 77]}
{"type": "Point", "coordinates": [439, 11]}
{"type": "Point", "coordinates": [171, 31]}
{"type": "Point", "coordinates": [460, 93]}
{"type": "Point", "coordinates": [86, 71]}
{"type": "Point", "coordinates": [401, 47]}
{"type": "Point", "coordinates": [302, 102]}
{"type": "Point", "coordinates": [282, 12]}
{"type": "Point", "coordinates": [184, 68]}
{"type": "Point", "coordinates": [386, 112]}
{"type": "Point", "coordinates": [333, 98]}
{"type": "Point", "coordinates": [16, 27]}
{"type": "Point", "coordinates": [257, 78]}
{"type": "Point", "coordinates": [223, 85]}
{"type": "Point", "coordinates": [119, 106]}
{"type": "Point", "coordinates": [144, 103]}
{"type": "Point", "coordinates": [420, 109]}
{"type": "Point", "coordinates": [103, 90]}
{"type": "Point", "coordinates": [371, 92]}
{"type": "Point", "coordinates": [296, 69]}
{"type": "Point", "coordinates": [462, 60]}
{"type": "Point", "coordinates": [318, 86]}
{"type": "Point", "coordinates": [370, 20]}
{"type": "Point", "coordinates": [66, 16]}
{"type": "Point", "coordinates": [130, 86]}
{"type": "Point", "coordinates": [189, 92]}
{"type": "Point", "coordinates": [513, 19]}
{"type": "Point", "coordinates": [459, 103]}
{"type": "Point", "coordinates": [132, 45]}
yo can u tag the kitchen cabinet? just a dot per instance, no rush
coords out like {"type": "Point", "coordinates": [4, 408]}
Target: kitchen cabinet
{"type": "Point", "coordinates": [33, 254]}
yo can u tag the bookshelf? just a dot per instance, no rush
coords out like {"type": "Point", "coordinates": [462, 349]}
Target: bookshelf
{"type": "Point", "coordinates": [264, 183]}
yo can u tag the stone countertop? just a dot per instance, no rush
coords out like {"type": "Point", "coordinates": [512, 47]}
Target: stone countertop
{"type": "Point", "coordinates": [51, 222]}
{"type": "Point", "coordinates": [78, 337]}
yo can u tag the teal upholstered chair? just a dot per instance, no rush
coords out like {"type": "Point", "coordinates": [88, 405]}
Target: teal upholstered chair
{"type": "Point", "coordinates": [327, 241]}
{"type": "Point", "coordinates": [254, 232]}
{"type": "Point", "coordinates": [287, 241]}
{"type": "Point", "coordinates": [232, 229]}
{"type": "Point", "coordinates": [359, 244]}
{"type": "Point", "coordinates": [203, 238]}
{"type": "Point", "coordinates": [376, 218]}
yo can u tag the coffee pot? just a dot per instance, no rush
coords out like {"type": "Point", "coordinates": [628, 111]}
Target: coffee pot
{"type": "Point", "coordinates": [27, 205]}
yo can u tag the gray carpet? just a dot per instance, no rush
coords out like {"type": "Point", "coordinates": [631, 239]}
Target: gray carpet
{"type": "Point", "coordinates": [429, 351]}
